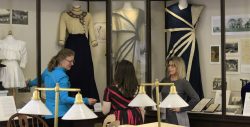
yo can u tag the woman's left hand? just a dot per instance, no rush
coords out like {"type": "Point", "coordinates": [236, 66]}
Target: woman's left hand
{"type": "Point", "coordinates": [92, 101]}
{"type": "Point", "coordinates": [175, 109]}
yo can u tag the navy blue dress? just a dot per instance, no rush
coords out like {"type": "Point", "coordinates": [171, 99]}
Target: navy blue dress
{"type": "Point", "coordinates": [189, 50]}
{"type": "Point", "coordinates": [81, 75]}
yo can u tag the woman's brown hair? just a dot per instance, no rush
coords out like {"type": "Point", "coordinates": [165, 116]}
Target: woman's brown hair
{"type": "Point", "coordinates": [61, 55]}
{"type": "Point", "coordinates": [126, 79]}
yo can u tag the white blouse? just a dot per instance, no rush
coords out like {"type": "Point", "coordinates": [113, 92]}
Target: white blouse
{"type": "Point", "coordinates": [12, 49]}
{"type": "Point", "coordinates": [13, 54]}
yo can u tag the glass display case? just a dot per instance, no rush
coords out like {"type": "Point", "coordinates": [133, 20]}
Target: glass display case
{"type": "Point", "coordinates": [135, 30]}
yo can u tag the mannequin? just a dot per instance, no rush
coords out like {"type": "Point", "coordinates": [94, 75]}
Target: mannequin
{"type": "Point", "coordinates": [127, 5]}
{"type": "Point", "coordinates": [181, 21]}
{"type": "Point", "coordinates": [14, 56]}
{"type": "Point", "coordinates": [79, 26]}
{"type": "Point", "coordinates": [128, 37]}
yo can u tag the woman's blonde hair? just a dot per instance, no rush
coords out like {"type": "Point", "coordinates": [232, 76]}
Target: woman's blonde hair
{"type": "Point", "coordinates": [178, 62]}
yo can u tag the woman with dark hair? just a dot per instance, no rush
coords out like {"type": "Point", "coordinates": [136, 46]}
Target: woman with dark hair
{"type": "Point", "coordinates": [56, 73]}
{"type": "Point", "coordinates": [120, 93]}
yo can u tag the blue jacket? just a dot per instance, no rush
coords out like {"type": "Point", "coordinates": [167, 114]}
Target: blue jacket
{"type": "Point", "coordinates": [49, 79]}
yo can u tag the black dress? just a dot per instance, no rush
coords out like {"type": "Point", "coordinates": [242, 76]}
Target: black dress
{"type": "Point", "coordinates": [183, 42]}
{"type": "Point", "coordinates": [81, 74]}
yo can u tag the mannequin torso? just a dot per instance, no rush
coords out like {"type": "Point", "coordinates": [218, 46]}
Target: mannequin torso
{"type": "Point", "coordinates": [76, 9]}
{"type": "Point", "coordinates": [13, 54]}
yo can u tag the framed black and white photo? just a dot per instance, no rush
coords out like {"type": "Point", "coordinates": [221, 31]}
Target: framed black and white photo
{"type": "Point", "coordinates": [20, 17]}
{"type": "Point", "coordinates": [232, 66]}
{"type": "Point", "coordinates": [232, 47]}
{"type": "Point", "coordinates": [4, 16]}
{"type": "Point", "coordinates": [234, 24]}
{"type": "Point", "coordinates": [217, 84]}
{"type": "Point", "coordinates": [215, 54]}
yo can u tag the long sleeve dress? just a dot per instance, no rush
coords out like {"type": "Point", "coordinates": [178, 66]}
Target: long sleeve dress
{"type": "Point", "coordinates": [58, 75]}
{"type": "Point", "coordinates": [187, 93]}
{"type": "Point", "coordinates": [182, 25]}
{"type": "Point", "coordinates": [128, 38]}
{"type": "Point", "coordinates": [13, 54]}
{"type": "Point", "coordinates": [79, 28]}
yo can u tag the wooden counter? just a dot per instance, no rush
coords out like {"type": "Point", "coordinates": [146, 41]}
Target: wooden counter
{"type": "Point", "coordinates": [217, 120]}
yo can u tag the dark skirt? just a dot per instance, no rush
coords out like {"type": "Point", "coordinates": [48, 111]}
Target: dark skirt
{"type": "Point", "coordinates": [81, 75]}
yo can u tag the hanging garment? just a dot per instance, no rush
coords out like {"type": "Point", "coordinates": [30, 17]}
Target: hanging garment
{"type": "Point", "coordinates": [13, 54]}
{"type": "Point", "coordinates": [81, 74]}
{"type": "Point", "coordinates": [181, 24]}
{"type": "Point", "coordinates": [129, 44]}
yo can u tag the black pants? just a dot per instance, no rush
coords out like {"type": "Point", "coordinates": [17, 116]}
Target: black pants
{"type": "Point", "coordinates": [61, 123]}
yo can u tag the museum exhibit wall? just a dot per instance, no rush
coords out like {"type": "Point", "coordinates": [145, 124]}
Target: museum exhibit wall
{"type": "Point", "coordinates": [50, 15]}
{"type": "Point", "coordinates": [205, 39]}
{"type": "Point", "coordinates": [26, 33]}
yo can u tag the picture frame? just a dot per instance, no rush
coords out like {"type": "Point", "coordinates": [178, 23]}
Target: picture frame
{"type": "Point", "coordinates": [232, 48]}
{"type": "Point", "coordinates": [217, 84]}
{"type": "Point", "coordinates": [232, 65]}
{"type": "Point", "coordinates": [5, 16]}
{"type": "Point", "coordinates": [215, 54]}
{"type": "Point", "coordinates": [234, 25]}
{"type": "Point", "coordinates": [20, 17]}
{"type": "Point", "coordinates": [100, 32]}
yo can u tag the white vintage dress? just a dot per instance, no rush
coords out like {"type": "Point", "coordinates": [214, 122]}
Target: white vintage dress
{"type": "Point", "coordinates": [13, 54]}
{"type": "Point", "coordinates": [129, 43]}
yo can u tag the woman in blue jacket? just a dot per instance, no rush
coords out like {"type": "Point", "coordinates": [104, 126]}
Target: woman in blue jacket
{"type": "Point", "coordinates": [56, 73]}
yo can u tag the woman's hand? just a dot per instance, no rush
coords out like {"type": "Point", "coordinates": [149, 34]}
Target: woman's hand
{"type": "Point", "coordinates": [27, 83]}
{"type": "Point", "coordinates": [175, 109]}
{"type": "Point", "coordinates": [92, 101]}
{"type": "Point", "coordinates": [94, 43]}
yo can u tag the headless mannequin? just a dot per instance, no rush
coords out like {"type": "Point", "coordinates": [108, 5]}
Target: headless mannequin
{"type": "Point", "coordinates": [12, 89]}
{"type": "Point", "coordinates": [76, 9]}
{"type": "Point", "coordinates": [127, 5]}
{"type": "Point", "coordinates": [183, 4]}
{"type": "Point", "coordinates": [77, 33]}
{"type": "Point", "coordinates": [127, 31]}
{"type": "Point", "coordinates": [129, 11]}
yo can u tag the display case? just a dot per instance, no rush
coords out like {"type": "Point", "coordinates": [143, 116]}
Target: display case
{"type": "Point", "coordinates": [221, 33]}
{"type": "Point", "coordinates": [229, 26]}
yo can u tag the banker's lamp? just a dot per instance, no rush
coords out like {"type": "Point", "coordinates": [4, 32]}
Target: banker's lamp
{"type": "Point", "coordinates": [78, 111]}
{"type": "Point", "coordinates": [173, 100]}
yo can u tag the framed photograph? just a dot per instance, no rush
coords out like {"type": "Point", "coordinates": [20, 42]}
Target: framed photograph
{"type": "Point", "coordinates": [232, 65]}
{"type": "Point", "coordinates": [232, 48]}
{"type": "Point", "coordinates": [100, 31]}
{"type": "Point", "coordinates": [217, 84]}
{"type": "Point", "coordinates": [215, 54]}
{"type": "Point", "coordinates": [235, 24]}
{"type": "Point", "coordinates": [20, 17]}
{"type": "Point", "coordinates": [4, 16]}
